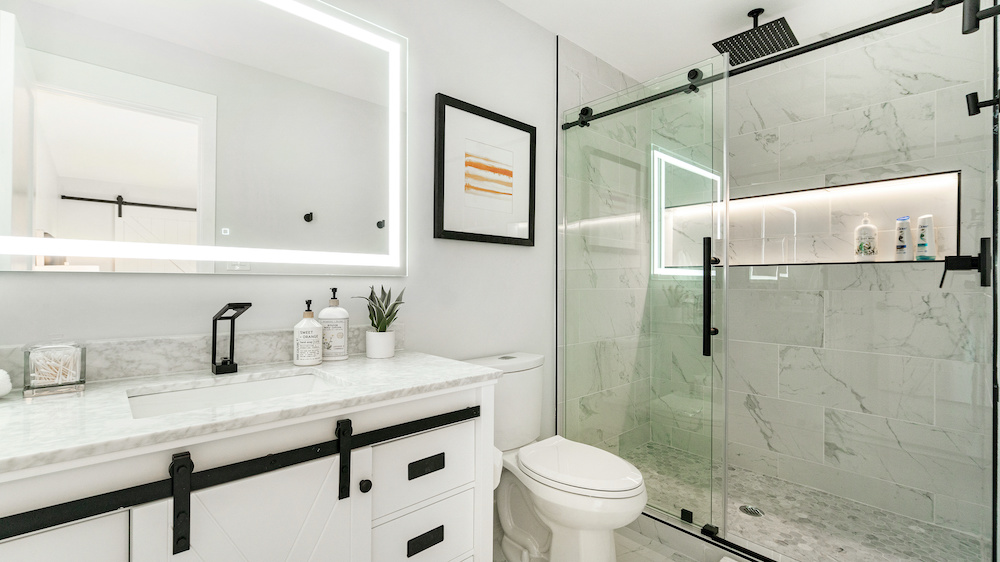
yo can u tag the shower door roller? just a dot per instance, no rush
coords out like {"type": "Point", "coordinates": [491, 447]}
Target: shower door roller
{"type": "Point", "coordinates": [707, 330]}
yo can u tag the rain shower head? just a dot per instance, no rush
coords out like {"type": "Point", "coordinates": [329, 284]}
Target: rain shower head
{"type": "Point", "coordinates": [758, 42]}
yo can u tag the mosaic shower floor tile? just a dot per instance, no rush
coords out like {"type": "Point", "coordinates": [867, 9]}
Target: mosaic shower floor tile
{"type": "Point", "coordinates": [799, 522]}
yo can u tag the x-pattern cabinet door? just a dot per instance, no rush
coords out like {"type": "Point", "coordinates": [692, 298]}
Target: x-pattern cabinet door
{"type": "Point", "coordinates": [290, 514]}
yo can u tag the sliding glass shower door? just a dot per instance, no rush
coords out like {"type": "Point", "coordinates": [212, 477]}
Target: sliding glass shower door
{"type": "Point", "coordinates": [645, 286]}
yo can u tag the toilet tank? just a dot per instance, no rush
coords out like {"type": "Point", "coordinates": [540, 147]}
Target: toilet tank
{"type": "Point", "coordinates": [518, 403]}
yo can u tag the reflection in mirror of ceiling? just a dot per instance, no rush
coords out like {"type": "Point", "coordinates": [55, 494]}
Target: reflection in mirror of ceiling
{"type": "Point", "coordinates": [257, 38]}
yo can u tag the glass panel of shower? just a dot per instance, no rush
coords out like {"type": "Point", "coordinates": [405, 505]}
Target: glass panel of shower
{"type": "Point", "coordinates": [645, 244]}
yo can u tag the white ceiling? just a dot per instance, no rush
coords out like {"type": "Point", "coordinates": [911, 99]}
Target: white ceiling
{"type": "Point", "coordinates": [649, 38]}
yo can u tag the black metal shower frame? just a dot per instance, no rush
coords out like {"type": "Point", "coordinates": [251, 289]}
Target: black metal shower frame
{"type": "Point", "coordinates": [586, 116]}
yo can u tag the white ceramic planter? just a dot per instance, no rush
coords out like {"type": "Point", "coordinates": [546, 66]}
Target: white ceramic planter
{"type": "Point", "coordinates": [380, 345]}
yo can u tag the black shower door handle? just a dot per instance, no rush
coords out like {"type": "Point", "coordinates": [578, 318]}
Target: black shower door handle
{"type": "Point", "coordinates": [707, 330]}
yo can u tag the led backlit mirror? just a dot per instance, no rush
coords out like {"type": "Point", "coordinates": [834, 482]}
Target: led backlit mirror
{"type": "Point", "coordinates": [234, 136]}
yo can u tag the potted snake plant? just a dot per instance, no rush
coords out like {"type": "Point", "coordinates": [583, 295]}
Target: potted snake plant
{"type": "Point", "coordinates": [380, 341]}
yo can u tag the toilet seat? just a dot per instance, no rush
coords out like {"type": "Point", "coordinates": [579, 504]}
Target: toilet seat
{"type": "Point", "coordinates": [579, 469]}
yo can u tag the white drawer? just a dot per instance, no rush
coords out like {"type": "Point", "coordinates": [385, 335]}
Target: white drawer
{"type": "Point", "coordinates": [440, 531]}
{"type": "Point", "coordinates": [410, 470]}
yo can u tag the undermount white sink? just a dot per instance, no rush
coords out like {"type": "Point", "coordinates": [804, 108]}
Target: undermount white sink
{"type": "Point", "coordinates": [149, 402]}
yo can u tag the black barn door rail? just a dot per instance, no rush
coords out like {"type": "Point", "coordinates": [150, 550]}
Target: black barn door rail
{"type": "Point", "coordinates": [43, 518]}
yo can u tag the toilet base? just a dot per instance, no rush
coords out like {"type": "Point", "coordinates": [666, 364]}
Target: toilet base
{"type": "Point", "coordinates": [575, 545]}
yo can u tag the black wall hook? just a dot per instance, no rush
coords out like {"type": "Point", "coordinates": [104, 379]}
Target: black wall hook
{"type": "Point", "coordinates": [308, 217]}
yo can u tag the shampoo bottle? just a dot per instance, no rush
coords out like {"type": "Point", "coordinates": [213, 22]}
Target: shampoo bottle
{"type": "Point", "coordinates": [865, 241]}
{"type": "Point", "coordinates": [904, 240]}
{"type": "Point", "coordinates": [926, 245]}
{"type": "Point", "coordinates": [308, 335]}
{"type": "Point", "coordinates": [335, 322]}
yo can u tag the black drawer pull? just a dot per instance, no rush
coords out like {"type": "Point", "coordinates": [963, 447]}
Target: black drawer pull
{"type": "Point", "coordinates": [423, 467]}
{"type": "Point", "coordinates": [419, 544]}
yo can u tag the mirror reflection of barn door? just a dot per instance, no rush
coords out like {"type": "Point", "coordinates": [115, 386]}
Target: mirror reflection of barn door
{"type": "Point", "coordinates": [159, 226]}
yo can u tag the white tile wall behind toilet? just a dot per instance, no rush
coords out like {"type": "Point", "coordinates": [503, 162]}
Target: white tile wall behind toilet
{"type": "Point", "coordinates": [463, 299]}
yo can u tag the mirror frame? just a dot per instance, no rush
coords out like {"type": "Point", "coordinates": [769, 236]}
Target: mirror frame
{"type": "Point", "coordinates": [300, 261]}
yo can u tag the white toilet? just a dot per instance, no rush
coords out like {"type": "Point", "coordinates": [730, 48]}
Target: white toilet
{"type": "Point", "coordinates": [558, 500]}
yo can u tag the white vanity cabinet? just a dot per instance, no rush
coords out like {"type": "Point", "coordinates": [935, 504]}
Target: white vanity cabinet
{"type": "Point", "coordinates": [100, 539]}
{"type": "Point", "coordinates": [290, 514]}
{"type": "Point", "coordinates": [420, 490]}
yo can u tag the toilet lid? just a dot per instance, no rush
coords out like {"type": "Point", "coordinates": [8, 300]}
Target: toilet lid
{"type": "Point", "coordinates": [577, 465]}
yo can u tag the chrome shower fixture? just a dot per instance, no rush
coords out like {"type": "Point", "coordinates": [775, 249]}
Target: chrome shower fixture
{"type": "Point", "coordinates": [758, 42]}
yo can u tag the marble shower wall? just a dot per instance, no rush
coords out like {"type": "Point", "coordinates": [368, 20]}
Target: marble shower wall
{"type": "Point", "coordinates": [866, 381]}
{"type": "Point", "coordinates": [605, 347]}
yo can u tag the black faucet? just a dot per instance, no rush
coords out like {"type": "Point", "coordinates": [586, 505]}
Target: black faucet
{"type": "Point", "coordinates": [227, 365]}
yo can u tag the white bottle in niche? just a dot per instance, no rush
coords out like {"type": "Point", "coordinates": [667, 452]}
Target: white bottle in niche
{"type": "Point", "coordinates": [904, 240]}
{"type": "Point", "coordinates": [926, 245]}
{"type": "Point", "coordinates": [308, 335]}
{"type": "Point", "coordinates": [865, 241]}
{"type": "Point", "coordinates": [335, 321]}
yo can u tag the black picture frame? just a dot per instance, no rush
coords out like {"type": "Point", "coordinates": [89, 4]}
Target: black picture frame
{"type": "Point", "coordinates": [476, 152]}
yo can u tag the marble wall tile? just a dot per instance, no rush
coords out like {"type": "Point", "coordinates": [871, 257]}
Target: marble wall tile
{"type": "Point", "coordinates": [885, 385]}
{"type": "Point", "coordinates": [609, 313]}
{"type": "Point", "coordinates": [889, 132]}
{"type": "Point", "coordinates": [910, 502]}
{"type": "Point", "coordinates": [957, 132]}
{"type": "Point", "coordinates": [606, 218]}
{"type": "Point", "coordinates": [679, 359]}
{"type": "Point", "coordinates": [756, 460]}
{"type": "Point", "coordinates": [682, 122]}
{"type": "Point", "coordinates": [634, 438]}
{"type": "Point", "coordinates": [966, 517]}
{"type": "Point", "coordinates": [781, 426]}
{"type": "Point", "coordinates": [753, 158]}
{"type": "Point", "coordinates": [787, 317]}
{"type": "Point", "coordinates": [583, 255]}
{"type": "Point", "coordinates": [962, 397]}
{"type": "Point", "coordinates": [595, 418]}
{"type": "Point", "coordinates": [936, 325]}
{"type": "Point", "coordinates": [737, 192]}
{"type": "Point", "coordinates": [12, 361]}
{"type": "Point", "coordinates": [915, 455]}
{"type": "Point", "coordinates": [595, 366]}
{"type": "Point", "coordinates": [753, 367]}
{"type": "Point", "coordinates": [905, 65]}
{"type": "Point", "coordinates": [682, 406]}
{"type": "Point", "coordinates": [793, 95]}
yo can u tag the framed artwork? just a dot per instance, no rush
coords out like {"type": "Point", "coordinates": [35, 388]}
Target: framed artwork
{"type": "Point", "coordinates": [484, 175]}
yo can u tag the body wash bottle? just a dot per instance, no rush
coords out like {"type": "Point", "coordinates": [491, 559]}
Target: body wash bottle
{"type": "Point", "coordinates": [308, 335]}
{"type": "Point", "coordinates": [904, 240]}
{"type": "Point", "coordinates": [865, 241]}
{"type": "Point", "coordinates": [335, 321]}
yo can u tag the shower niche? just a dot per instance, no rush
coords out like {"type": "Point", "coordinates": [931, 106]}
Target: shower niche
{"type": "Point", "coordinates": [800, 227]}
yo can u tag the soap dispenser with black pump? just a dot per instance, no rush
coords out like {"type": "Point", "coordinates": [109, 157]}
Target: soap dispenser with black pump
{"type": "Point", "coordinates": [335, 321]}
{"type": "Point", "coordinates": [308, 334]}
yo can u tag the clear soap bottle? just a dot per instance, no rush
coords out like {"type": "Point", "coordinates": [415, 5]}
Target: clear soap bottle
{"type": "Point", "coordinates": [336, 322]}
{"type": "Point", "coordinates": [308, 334]}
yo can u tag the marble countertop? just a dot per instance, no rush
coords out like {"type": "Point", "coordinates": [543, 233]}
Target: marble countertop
{"type": "Point", "coordinates": [55, 429]}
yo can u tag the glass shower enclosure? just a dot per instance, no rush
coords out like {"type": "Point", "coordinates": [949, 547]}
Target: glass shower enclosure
{"type": "Point", "coordinates": [843, 410]}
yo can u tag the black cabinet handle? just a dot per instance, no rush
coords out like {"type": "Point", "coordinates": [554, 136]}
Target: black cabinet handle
{"type": "Point", "coordinates": [423, 467]}
{"type": "Point", "coordinates": [416, 545]}
{"type": "Point", "coordinates": [707, 330]}
{"type": "Point", "coordinates": [365, 486]}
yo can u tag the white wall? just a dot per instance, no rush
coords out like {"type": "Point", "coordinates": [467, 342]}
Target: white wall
{"type": "Point", "coordinates": [464, 299]}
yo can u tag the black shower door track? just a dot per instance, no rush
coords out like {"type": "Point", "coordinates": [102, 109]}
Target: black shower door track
{"type": "Point", "coordinates": [584, 120]}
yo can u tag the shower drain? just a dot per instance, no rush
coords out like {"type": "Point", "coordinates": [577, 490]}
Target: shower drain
{"type": "Point", "coordinates": [751, 511]}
